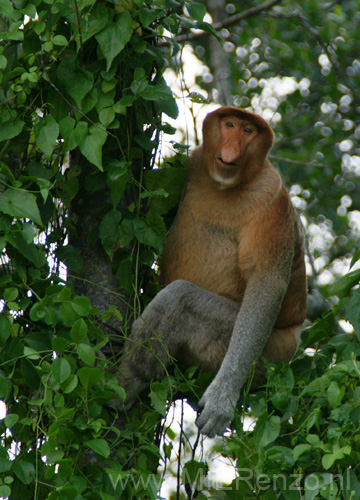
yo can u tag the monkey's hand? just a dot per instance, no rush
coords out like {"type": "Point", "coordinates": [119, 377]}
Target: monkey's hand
{"type": "Point", "coordinates": [217, 410]}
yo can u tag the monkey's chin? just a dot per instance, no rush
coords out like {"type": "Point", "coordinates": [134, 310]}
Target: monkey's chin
{"type": "Point", "coordinates": [225, 180]}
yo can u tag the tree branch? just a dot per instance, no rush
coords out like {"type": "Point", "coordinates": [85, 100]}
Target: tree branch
{"type": "Point", "coordinates": [296, 16]}
{"type": "Point", "coordinates": [230, 21]}
{"type": "Point", "coordinates": [253, 11]}
{"type": "Point", "coordinates": [312, 163]}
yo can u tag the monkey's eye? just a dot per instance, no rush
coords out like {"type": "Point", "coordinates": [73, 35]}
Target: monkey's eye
{"type": "Point", "coordinates": [230, 124]}
{"type": "Point", "coordinates": [248, 130]}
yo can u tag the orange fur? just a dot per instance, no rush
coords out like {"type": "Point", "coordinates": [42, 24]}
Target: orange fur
{"type": "Point", "coordinates": [228, 233]}
{"type": "Point", "coordinates": [233, 270]}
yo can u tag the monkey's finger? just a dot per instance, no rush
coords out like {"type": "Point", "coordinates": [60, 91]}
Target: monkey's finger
{"type": "Point", "coordinates": [214, 424]}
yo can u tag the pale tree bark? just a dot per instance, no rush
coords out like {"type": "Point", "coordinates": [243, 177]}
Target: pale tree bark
{"type": "Point", "coordinates": [219, 59]}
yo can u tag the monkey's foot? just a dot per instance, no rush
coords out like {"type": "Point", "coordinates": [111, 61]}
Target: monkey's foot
{"type": "Point", "coordinates": [216, 414]}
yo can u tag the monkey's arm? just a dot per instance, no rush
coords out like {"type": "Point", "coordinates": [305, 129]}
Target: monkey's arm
{"type": "Point", "coordinates": [253, 326]}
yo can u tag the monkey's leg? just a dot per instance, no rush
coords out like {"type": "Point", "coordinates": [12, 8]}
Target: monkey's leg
{"type": "Point", "coordinates": [183, 321]}
{"type": "Point", "coordinates": [282, 345]}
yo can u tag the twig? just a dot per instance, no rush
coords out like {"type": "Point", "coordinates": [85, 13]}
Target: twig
{"type": "Point", "coordinates": [296, 162]}
{"type": "Point", "coordinates": [76, 108]}
{"type": "Point", "coordinates": [178, 473]}
{"type": "Point", "coordinates": [78, 24]}
{"type": "Point", "coordinates": [230, 21]}
{"type": "Point", "coordinates": [253, 11]}
{"type": "Point", "coordinates": [297, 17]}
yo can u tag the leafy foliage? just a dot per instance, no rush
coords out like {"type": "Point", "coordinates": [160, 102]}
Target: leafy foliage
{"type": "Point", "coordinates": [84, 105]}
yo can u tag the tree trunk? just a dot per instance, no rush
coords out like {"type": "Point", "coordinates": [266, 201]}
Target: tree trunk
{"type": "Point", "coordinates": [219, 58]}
{"type": "Point", "coordinates": [97, 279]}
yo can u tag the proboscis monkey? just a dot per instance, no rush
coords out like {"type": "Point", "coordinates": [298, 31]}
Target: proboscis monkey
{"type": "Point", "coordinates": [233, 267]}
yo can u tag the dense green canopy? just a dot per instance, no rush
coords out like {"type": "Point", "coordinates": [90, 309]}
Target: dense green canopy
{"type": "Point", "coordinates": [90, 93]}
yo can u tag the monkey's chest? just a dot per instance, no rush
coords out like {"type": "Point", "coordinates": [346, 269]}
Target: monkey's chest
{"type": "Point", "coordinates": [206, 255]}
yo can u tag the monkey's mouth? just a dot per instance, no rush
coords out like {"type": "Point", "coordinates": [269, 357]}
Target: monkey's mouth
{"type": "Point", "coordinates": [225, 163]}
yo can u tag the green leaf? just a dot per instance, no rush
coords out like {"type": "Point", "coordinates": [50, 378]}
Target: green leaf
{"type": "Point", "coordinates": [37, 311]}
{"type": "Point", "coordinates": [10, 294]}
{"type": "Point", "coordinates": [314, 440]}
{"type": "Point", "coordinates": [86, 354]}
{"type": "Point", "coordinates": [267, 430]}
{"type": "Point", "coordinates": [77, 81]}
{"type": "Point", "coordinates": [144, 141]}
{"type": "Point", "coordinates": [81, 305]}
{"type": "Point", "coordinates": [100, 446]}
{"type": "Point", "coordinates": [171, 180]}
{"type": "Point", "coordinates": [11, 419]}
{"type": "Point", "coordinates": [31, 353]}
{"type": "Point", "coordinates": [25, 471]}
{"type": "Point", "coordinates": [90, 376]}
{"type": "Point", "coordinates": [313, 419]}
{"type": "Point", "coordinates": [196, 10]}
{"type": "Point", "coordinates": [152, 231]}
{"type": "Point", "coordinates": [50, 450]}
{"type": "Point", "coordinates": [140, 81]}
{"type": "Point", "coordinates": [20, 203]}
{"type": "Point", "coordinates": [14, 32]}
{"type": "Point", "coordinates": [71, 257]}
{"type": "Point", "coordinates": [300, 449]}
{"type": "Point", "coordinates": [159, 91]}
{"type": "Point", "coordinates": [335, 394]}
{"type": "Point", "coordinates": [7, 10]}
{"type": "Point", "coordinates": [29, 251]}
{"type": "Point", "coordinates": [91, 146]}
{"type": "Point", "coordinates": [70, 384]}
{"type": "Point", "coordinates": [106, 116]}
{"type": "Point", "coordinates": [10, 129]}
{"type": "Point", "coordinates": [59, 40]}
{"type": "Point", "coordinates": [114, 37]}
{"type": "Point", "coordinates": [209, 29]}
{"type": "Point", "coordinates": [108, 228]}
{"type": "Point", "coordinates": [194, 472]}
{"type": "Point", "coordinates": [67, 313]}
{"type": "Point", "coordinates": [344, 284]}
{"type": "Point", "coordinates": [198, 98]}
{"type": "Point", "coordinates": [5, 491]}
{"type": "Point", "coordinates": [28, 233]}
{"type": "Point", "coordinates": [59, 345]}
{"type": "Point", "coordinates": [68, 133]}
{"type": "Point", "coordinates": [329, 459]}
{"type": "Point", "coordinates": [5, 463]}
{"type": "Point", "coordinates": [116, 180]}
{"type": "Point", "coordinates": [124, 274]}
{"type": "Point", "coordinates": [158, 396]}
{"type": "Point", "coordinates": [355, 258]}
{"type": "Point", "coordinates": [61, 369]}
{"type": "Point", "coordinates": [65, 294]}
{"type": "Point", "coordinates": [39, 341]}
{"type": "Point", "coordinates": [5, 327]}
{"type": "Point", "coordinates": [113, 384]}
{"type": "Point", "coordinates": [79, 330]}
{"type": "Point", "coordinates": [353, 311]}
{"type": "Point", "coordinates": [94, 23]}
{"type": "Point", "coordinates": [46, 134]}
{"type": "Point", "coordinates": [169, 107]}
{"type": "Point", "coordinates": [147, 16]}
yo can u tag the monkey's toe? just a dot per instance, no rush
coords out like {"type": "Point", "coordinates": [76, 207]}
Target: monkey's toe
{"type": "Point", "coordinates": [213, 419]}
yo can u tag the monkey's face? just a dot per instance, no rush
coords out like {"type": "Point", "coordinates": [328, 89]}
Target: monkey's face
{"type": "Point", "coordinates": [235, 146]}
{"type": "Point", "coordinates": [236, 135]}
